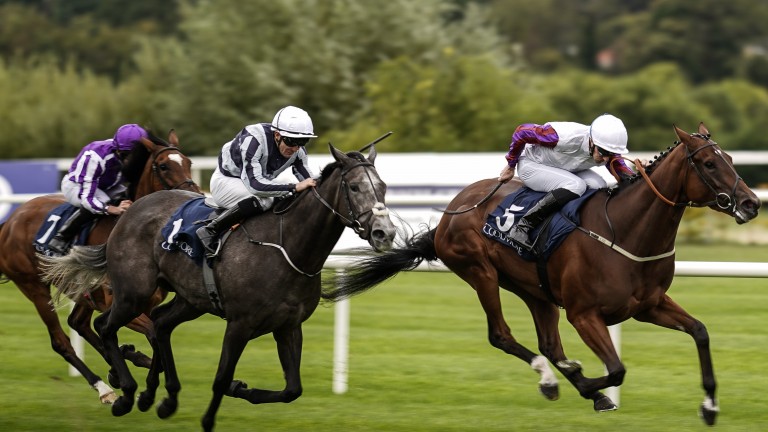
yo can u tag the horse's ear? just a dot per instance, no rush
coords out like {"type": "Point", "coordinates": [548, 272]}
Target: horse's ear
{"type": "Point", "coordinates": [173, 139]}
{"type": "Point", "coordinates": [703, 129]}
{"type": "Point", "coordinates": [149, 145]}
{"type": "Point", "coordinates": [338, 155]}
{"type": "Point", "coordinates": [681, 134]}
{"type": "Point", "coordinates": [372, 154]}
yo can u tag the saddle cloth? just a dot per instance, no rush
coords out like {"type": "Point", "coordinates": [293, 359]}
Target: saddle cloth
{"type": "Point", "coordinates": [50, 227]}
{"type": "Point", "coordinates": [547, 236]}
{"type": "Point", "coordinates": [179, 233]}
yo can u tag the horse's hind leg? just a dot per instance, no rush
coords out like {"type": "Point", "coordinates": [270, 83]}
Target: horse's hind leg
{"type": "Point", "coordinates": [670, 315]}
{"type": "Point", "coordinates": [107, 326]}
{"type": "Point", "coordinates": [40, 296]}
{"type": "Point", "coordinates": [499, 334]}
{"type": "Point", "coordinates": [166, 318]}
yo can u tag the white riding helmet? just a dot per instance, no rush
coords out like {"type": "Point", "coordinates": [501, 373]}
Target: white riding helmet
{"type": "Point", "coordinates": [609, 133]}
{"type": "Point", "coordinates": [293, 122]}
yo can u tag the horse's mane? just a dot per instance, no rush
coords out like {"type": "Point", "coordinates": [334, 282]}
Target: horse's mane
{"type": "Point", "coordinates": [136, 161]}
{"type": "Point", "coordinates": [652, 164]}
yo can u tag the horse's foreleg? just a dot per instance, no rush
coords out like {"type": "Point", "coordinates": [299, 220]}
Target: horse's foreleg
{"type": "Point", "coordinates": [236, 338]}
{"type": "Point", "coordinates": [289, 344]}
{"type": "Point", "coordinates": [670, 315]}
{"type": "Point", "coordinates": [595, 334]}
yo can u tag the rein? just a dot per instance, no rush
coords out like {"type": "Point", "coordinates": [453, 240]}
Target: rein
{"type": "Point", "coordinates": [481, 202]}
{"type": "Point", "coordinates": [163, 181]}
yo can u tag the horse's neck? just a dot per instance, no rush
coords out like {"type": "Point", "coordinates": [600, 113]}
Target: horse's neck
{"type": "Point", "coordinates": [147, 183]}
{"type": "Point", "coordinates": [638, 215]}
{"type": "Point", "coordinates": [320, 228]}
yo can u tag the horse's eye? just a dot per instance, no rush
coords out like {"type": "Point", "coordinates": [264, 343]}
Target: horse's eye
{"type": "Point", "coordinates": [163, 167]}
{"type": "Point", "coordinates": [709, 164]}
{"type": "Point", "coordinates": [354, 188]}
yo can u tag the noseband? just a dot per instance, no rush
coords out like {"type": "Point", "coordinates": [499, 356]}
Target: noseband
{"type": "Point", "coordinates": [163, 181]}
{"type": "Point", "coordinates": [722, 200]}
{"type": "Point", "coordinates": [353, 218]}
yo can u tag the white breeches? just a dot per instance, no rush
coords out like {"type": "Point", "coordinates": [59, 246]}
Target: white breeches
{"type": "Point", "coordinates": [228, 191]}
{"type": "Point", "coordinates": [544, 178]}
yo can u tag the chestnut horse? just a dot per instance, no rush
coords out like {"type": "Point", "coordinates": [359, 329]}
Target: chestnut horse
{"type": "Point", "coordinates": [153, 166]}
{"type": "Point", "coordinates": [598, 284]}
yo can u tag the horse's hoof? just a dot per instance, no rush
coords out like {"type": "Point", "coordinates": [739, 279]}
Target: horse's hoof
{"type": "Point", "coordinates": [708, 415]}
{"type": "Point", "coordinates": [121, 407]}
{"type": "Point", "coordinates": [550, 391]}
{"type": "Point", "coordinates": [166, 408]}
{"type": "Point", "coordinates": [145, 401]}
{"type": "Point", "coordinates": [235, 386]}
{"type": "Point", "coordinates": [108, 398]}
{"type": "Point", "coordinates": [604, 403]}
{"type": "Point", "coordinates": [126, 348]}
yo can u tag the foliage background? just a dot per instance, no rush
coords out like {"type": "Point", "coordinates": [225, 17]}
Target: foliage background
{"type": "Point", "coordinates": [446, 75]}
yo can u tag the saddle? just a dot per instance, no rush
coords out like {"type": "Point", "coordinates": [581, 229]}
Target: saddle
{"type": "Point", "coordinates": [179, 233]}
{"type": "Point", "coordinates": [50, 227]}
{"type": "Point", "coordinates": [547, 236]}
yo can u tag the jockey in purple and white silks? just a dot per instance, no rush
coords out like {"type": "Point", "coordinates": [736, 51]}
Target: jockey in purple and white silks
{"type": "Point", "coordinates": [94, 179]}
{"type": "Point", "coordinates": [557, 158]}
{"type": "Point", "coordinates": [244, 180]}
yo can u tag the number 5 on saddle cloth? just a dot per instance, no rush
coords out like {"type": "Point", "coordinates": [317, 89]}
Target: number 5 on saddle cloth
{"type": "Point", "coordinates": [547, 236]}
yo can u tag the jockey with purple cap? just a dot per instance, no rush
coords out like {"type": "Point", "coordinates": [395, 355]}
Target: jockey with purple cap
{"type": "Point", "coordinates": [93, 180]}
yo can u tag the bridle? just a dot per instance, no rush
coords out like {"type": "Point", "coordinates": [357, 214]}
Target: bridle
{"type": "Point", "coordinates": [353, 218]}
{"type": "Point", "coordinates": [722, 200]}
{"type": "Point", "coordinates": [163, 181]}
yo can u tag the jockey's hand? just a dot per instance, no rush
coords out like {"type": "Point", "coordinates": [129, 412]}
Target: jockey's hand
{"type": "Point", "coordinates": [120, 208]}
{"type": "Point", "coordinates": [506, 174]}
{"type": "Point", "coordinates": [305, 184]}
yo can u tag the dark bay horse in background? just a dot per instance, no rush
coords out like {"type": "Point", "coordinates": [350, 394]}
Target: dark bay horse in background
{"type": "Point", "coordinates": [267, 274]}
{"type": "Point", "coordinates": [597, 285]}
{"type": "Point", "coordinates": [155, 165]}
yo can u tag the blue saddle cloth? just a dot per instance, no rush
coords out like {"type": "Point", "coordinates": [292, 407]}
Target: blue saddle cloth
{"type": "Point", "coordinates": [547, 236]}
{"type": "Point", "coordinates": [50, 227]}
{"type": "Point", "coordinates": [179, 233]}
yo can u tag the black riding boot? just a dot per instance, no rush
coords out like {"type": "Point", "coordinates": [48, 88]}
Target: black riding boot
{"type": "Point", "coordinates": [241, 210]}
{"type": "Point", "coordinates": [69, 229]}
{"type": "Point", "coordinates": [552, 201]}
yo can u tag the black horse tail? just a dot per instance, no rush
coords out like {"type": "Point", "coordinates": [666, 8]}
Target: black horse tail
{"type": "Point", "coordinates": [76, 274]}
{"type": "Point", "coordinates": [370, 271]}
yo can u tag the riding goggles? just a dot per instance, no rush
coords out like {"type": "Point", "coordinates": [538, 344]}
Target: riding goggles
{"type": "Point", "coordinates": [295, 142]}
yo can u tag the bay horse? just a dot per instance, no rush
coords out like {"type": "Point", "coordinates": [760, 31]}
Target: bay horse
{"type": "Point", "coordinates": [625, 276]}
{"type": "Point", "coordinates": [155, 165]}
{"type": "Point", "coordinates": [267, 276]}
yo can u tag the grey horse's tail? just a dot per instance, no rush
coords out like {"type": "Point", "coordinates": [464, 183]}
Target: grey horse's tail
{"type": "Point", "coordinates": [81, 271]}
{"type": "Point", "coordinates": [370, 271]}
